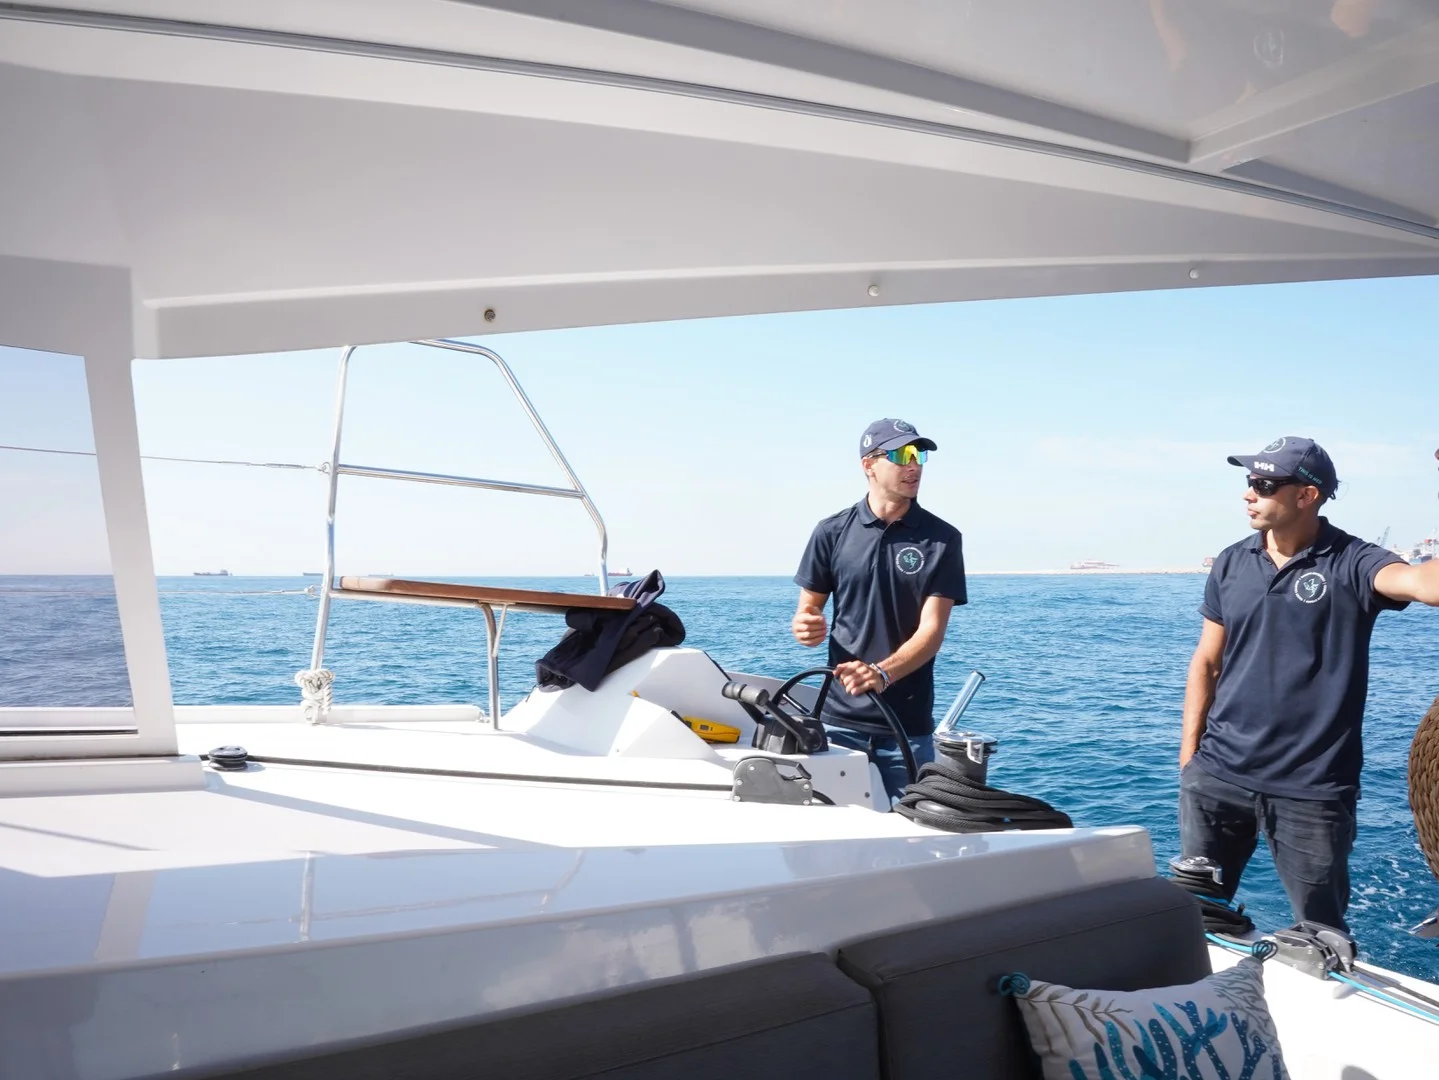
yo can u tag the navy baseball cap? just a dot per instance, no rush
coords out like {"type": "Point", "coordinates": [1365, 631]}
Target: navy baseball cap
{"type": "Point", "coordinates": [1294, 456]}
{"type": "Point", "coordinates": [890, 434]}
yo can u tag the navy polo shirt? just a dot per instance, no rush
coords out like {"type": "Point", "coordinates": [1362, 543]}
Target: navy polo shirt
{"type": "Point", "coordinates": [880, 576]}
{"type": "Point", "coordinates": [1289, 707]}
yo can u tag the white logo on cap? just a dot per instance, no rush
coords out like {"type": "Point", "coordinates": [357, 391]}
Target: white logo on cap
{"type": "Point", "coordinates": [900, 425]}
{"type": "Point", "coordinates": [1264, 466]}
{"type": "Point", "coordinates": [1274, 447]}
{"type": "Point", "coordinates": [868, 440]}
{"type": "Point", "coordinates": [1310, 587]}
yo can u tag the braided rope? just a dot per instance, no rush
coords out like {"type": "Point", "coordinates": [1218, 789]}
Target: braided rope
{"type": "Point", "coordinates": [1424, 785]}
{"type": "Point", "coordinates": [317, 694]}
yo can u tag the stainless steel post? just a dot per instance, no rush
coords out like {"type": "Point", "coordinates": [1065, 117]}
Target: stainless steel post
{"type": "Point", "coordinates": [322, 621]}
{"type": "Point", "coordinates": [961, 702]}
{"type": "Point", "coordinates": [492, 649]}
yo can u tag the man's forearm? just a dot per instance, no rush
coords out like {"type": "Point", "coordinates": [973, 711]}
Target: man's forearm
{"type": "Point", "coordinates": [860, 676]}
{"type": "Point", "coordinates": [1426, 589]}
{"type": "Point", "coordinates": [1399, 581]}
{"type": "Point", "coordinates": [1198, 697]}
{"type": "Point", "coordinates": [913, 654]}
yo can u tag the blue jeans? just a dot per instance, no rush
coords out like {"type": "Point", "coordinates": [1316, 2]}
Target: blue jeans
{"type": "Point", "coordinates": [1310, 840]}
{"type": "Point", "coordinates": [884, 752]}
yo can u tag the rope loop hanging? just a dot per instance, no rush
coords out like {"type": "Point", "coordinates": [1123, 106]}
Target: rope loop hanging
{"type": "Point", "coordinates": [317, 696]}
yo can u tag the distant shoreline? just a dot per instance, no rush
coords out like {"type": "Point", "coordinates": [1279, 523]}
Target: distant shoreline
{"type": "Point", "coordinates": [1089, 573]}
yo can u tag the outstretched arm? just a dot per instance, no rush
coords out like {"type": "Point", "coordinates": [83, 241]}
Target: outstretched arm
{"type": "Point", "coordinates": [1199, 687]}
{"type": "Point", "coordinates": [1399, 581]}
{"type": "Point", "coordinates": [919, 649]}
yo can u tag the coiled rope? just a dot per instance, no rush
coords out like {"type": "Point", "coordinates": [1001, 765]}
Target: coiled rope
{"type": "Point", "coordinates": [1424, 785]}
{"type": "Point", "coordinates": [946, 797]}
{"type": "Point", "coordinates": [1220, 916]}
{"type": "Point", "coordinates": [317, 693]}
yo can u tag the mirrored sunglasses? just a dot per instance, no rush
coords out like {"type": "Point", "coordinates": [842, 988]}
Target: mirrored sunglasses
{"type": "Point", "coordinates": [908, 455]}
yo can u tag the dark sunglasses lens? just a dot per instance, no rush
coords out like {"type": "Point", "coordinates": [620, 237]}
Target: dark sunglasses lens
{"type": "Point", "coordinates": [1263, 486]}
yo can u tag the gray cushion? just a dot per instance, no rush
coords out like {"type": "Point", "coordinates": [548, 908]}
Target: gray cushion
{"type": "Point", "coordinates": [781, 1019]}
{"type": "Point", "coordinates": [940, 1014]}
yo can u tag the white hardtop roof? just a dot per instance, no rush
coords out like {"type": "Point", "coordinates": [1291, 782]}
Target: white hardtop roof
{"type": "Point", "coordinates": [228, 177]}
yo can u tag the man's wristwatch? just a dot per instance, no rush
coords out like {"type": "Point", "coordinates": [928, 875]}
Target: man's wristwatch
{"type": "Point", "coordinates": [883, 676]}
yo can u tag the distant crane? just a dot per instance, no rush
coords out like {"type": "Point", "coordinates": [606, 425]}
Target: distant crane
{"type": "Point", "coordinates": [1383, 540]}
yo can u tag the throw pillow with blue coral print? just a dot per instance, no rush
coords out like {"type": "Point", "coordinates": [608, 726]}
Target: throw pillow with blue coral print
{"type": "Point", "coordinates": [1216, 1029]}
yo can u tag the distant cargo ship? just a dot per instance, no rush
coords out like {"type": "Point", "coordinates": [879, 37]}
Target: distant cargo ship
{"type": "Point", "coordinates": [1093, 564]}
{"type": "Point", "coordinates": [313, 573]}
{"type": "Point", "coordinates": [1414, 554]}
{"type": "Point", "coordinates": [614, 573]}
{"type": "Point", "coordinates": [1424, 551]}
{"type": "Point", "coordinates": [212, 573]}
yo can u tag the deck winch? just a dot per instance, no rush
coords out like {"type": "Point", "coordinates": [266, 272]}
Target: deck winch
{"type": "Point", "coordinates": [968, 750]}
{"type": "Point", "coordinates": [952, 792]}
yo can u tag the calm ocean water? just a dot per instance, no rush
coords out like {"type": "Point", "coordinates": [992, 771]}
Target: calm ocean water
{"type": "Point", "coordinates": [1085, 680]}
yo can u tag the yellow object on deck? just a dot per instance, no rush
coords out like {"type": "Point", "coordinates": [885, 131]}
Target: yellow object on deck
{"type": "Point", "coordinates": [710, 731]}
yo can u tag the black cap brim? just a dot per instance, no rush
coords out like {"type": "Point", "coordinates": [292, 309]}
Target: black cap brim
{"type": "Point", "coordinates": [917, 441]}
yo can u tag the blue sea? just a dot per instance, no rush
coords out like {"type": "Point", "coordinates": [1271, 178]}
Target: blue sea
{"type": "Point", "coordinates": [1084, 686]}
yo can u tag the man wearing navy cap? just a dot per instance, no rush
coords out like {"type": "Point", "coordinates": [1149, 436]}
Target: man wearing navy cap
{"type": "Point", "coordinates": [1274, 703]}
{"type": "Point", "coordinates": [895, 572]}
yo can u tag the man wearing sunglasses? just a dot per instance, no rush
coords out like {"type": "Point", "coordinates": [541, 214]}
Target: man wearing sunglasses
{"type": "Point", "coordinates": [895, 572]}
{"type": "Point", "coordinates": [1274, 703]}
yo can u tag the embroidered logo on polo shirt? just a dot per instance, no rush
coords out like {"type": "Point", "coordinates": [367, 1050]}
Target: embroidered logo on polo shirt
{"type": "Point", "coordinates": [1310, 587]}
{"type": "Point", "coordinates": [910, 560]}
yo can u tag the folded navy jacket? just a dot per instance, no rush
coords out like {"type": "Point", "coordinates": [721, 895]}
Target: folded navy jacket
{"type": "Point", "coordinates": [598, 642]}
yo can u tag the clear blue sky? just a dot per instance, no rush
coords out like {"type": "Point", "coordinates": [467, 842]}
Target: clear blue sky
{"type": "Point", "coordinates": [1069, 428]}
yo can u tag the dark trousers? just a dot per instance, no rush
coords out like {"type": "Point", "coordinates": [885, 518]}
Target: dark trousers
{"type": "Point", "coordinates": [1310, 840]}
{"type": "Point", "coordinates": [885, 753]}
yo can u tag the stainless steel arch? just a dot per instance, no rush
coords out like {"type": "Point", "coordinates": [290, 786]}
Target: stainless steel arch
{"type": "Point", "coordinates": [337, 468]}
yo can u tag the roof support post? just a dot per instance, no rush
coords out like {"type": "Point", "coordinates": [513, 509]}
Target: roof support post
{"type": "Point", "coordinates": [127, 527]}
{"type": "Point", "coordinates": [85, 310]}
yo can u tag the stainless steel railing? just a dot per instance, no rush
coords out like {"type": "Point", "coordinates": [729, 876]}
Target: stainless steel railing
{"type": "Point", "coordinates": [336, 468]}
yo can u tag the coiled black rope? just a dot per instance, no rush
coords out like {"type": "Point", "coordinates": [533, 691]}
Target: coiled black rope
{"type": "Point", "coordinates": [946, 797]}
{"type": "Point", "coordinates": [1220, 916]}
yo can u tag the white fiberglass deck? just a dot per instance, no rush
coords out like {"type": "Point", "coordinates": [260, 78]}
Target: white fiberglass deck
{"type": "Point", "coordinates": [1329, 1031]}
{"type": "Point", "coordinates": [176, 928]}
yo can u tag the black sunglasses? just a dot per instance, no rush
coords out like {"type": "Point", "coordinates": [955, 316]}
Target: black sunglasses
{"type": "Point", "coordinates": [1266, 486]}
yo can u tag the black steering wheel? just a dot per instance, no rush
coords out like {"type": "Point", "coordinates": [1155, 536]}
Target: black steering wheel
{"type": "Point", "coordinates": [803, 721]}
{"type": "Point", "coordinates": [785, 694]}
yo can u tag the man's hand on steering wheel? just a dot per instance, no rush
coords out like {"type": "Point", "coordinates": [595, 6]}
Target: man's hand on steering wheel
{"type": "Point", "coordinates": [857, 677]}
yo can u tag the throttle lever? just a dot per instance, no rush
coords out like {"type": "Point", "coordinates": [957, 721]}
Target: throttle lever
{"type": "Point", "coordinates": [741, 692]}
